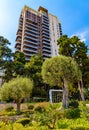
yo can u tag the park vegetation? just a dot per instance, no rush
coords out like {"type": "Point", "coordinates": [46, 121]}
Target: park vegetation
{"type": "Point", "coordinates": [22, 81]}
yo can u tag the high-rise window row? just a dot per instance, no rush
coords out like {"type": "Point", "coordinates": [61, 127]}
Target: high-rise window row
{"type": "Point", "coordinates": [38, 31]}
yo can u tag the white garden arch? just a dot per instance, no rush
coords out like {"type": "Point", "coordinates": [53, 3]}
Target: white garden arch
{"type": "Point", "coordinates": [55, 95]}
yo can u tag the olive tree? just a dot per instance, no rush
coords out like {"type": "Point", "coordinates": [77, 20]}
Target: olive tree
{"type": "Point", "coordinates": [17, 89]}
{"type": "Point", "coordinates": [61, 71]}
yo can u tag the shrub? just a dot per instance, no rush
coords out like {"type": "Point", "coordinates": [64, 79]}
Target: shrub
{"type": "Point", "coordinates": [9, 108]}
{"type": "Point", "coordinates": [30, 106]}
{"type": "Point", "coordinates": [72, 113]}
{"type": "Point", "coordinates": [24, 121]}
{"type": "Point", "coordinates": [40, 109]}
{"type": "Point", "coordinates": [80, 128]}
{"type": "Point", "coordinates": [73, 104]}
{"type": "Point", "coordinates": [62, 114]}
{"type": "Point", "coordinates": [62, 125]}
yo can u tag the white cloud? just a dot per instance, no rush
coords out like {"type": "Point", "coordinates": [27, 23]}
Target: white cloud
{"type": "Point", "coordinates": [83, 35]}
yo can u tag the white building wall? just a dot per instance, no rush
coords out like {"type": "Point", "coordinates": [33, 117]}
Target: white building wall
{"type": "Point", "coordinates": [54, 34]}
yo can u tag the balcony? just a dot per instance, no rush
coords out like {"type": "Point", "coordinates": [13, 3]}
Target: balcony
{"type": "Point", "coordinates": [28, 41]}
{"type": "Point", "coordinates": [48, 47]}
{"type": "Point", "coordinates": [19, 31]}
{"type": "Point", "coordinates": [46, 39]}
{"type": "Point", "coordinates": [28, 54]}
{"type": "Point", "coordinates": [30, 45]}
{"type": "Point", "coordinates": [19, 34]}
{"type": "Point", "coordinates": [20, 25]}
{"type": "Point", "coordinates": [45, 22]}
{"type": "Point", "coordinates": [34, 21]}
{"type": "Point", "coordinates": [45, 17]}
{"type": "Point", "coordinates": [31, 28]}
{"type": "Point", "coordinates": [30, 50]}
{"type": "Point", "coordinates": [46, 43]}
{"type": "Point", "coordinates": [45, 29]}
{"type": "Point", "coordinates": [18, 44]}
{"type": "Point", "coordinates": [31, 31]}
{"type": "Point", "coordinates": [31, 34]}
{"type": "Point", "coordinates": [31, 24]}
{"type": "Point", "coordinates": [47, 55]}
{"type": "Point", "coordinates": [45, 36]}
{"type": "Point", "coordinates": [45, 25]}
{"type": "Point", "coordinates": [46, 50]}
{"type": "Point", "coordinates": [46, 33]}
{"type": "Point", "coordinates": [31, 38]}
{"type": "Point", "coordinates": [18, 39]}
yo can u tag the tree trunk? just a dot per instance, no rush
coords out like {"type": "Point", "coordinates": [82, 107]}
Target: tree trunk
{"type": "Point", "coordinates": [66, 93]}
{"type": "Point", "coordinates": [18, 107]}
{"type": "Point", "coordinates": [80, 86]}
{"type": "Point", "coordinates": [65, 100]}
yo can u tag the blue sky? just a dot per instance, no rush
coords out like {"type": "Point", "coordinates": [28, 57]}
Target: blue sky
{"type": "Point", "coordinates": [73, 14]}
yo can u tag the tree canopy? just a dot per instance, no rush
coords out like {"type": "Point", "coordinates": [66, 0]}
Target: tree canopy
{"type": "Point", "coordinates": [61, 71]}
{"type": "Point", "coordinates": [76, 49]}
{"type": "Point", "coordinates": [6, 58]}
{"type": "Point", "coordinates": [19, 63]}
{"type": "Point", "coordinates": [17, 89]}
{"type": "Point", "coordinates": [33, 69]}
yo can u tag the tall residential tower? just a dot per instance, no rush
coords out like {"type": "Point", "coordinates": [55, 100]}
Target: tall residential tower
{"type": "Point", "coordinates": [38, 31]}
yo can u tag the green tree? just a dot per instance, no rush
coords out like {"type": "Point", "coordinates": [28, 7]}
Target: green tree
{"type": "Point", "coordinates": [33, 70]}
{"type": "Point", "coordinates": [19, 63]}
{"type": "Point", "coordinates": [76, 49]}
{"type": "Point", "coordinates": [17, 89]}
{"type": "Point", "coordinates": [61, 71]}
{"type": "Point", "coordinates": [6, 58]}
{"type": "Point", "coordinates": [72, 47]}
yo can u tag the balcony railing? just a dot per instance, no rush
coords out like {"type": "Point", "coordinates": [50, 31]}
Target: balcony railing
{"type": "Point", "coordinates": [47, 55]}
{"type": "Point", "coordinates": [46, 50]}
{"type": "Point", "coordinates": [31, 24]}
{"type": "Point", "coordinates": [46, 43]}
{"type": "Point", "coordinates": [48, 47]}
{"type": "Point", "coordinates": [32, 31]}
{"type": "Point", "coordinates": [45, 32]}
{"type": "Point", "coordinates": [45, 29]}
{"type": "Point", "coordinates": [29, 50]}
{"type": "Point", "coordinates": [46, 39]}
{"type": "Point", "coordinates": [29, 41]}
{"type": "Point", "coordinates": [27, 30]}
{"type": "Point", "coordinates": [32, 34]}
{"type": "Point", "coordinates": [30, 45]}
{"type": "Point", "coordinates": [45, 25]}
{"type": "Point", "coordinates": [28, 19]}
{"type": "Point", "coordinates": [31, 38]}
{"type": "Point", "coordinates": [32, 28]}
{"type": "Point", "coordinates": [45, 36]}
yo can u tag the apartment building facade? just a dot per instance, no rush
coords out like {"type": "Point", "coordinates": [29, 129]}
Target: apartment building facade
{"type": "Point", "coordinates": [38, 32]}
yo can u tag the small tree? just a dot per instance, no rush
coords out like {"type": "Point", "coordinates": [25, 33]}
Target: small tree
{"type": "Point", "coordinates": [61, 71]}
{"type": "Point", "coordinates": [17, 89]}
